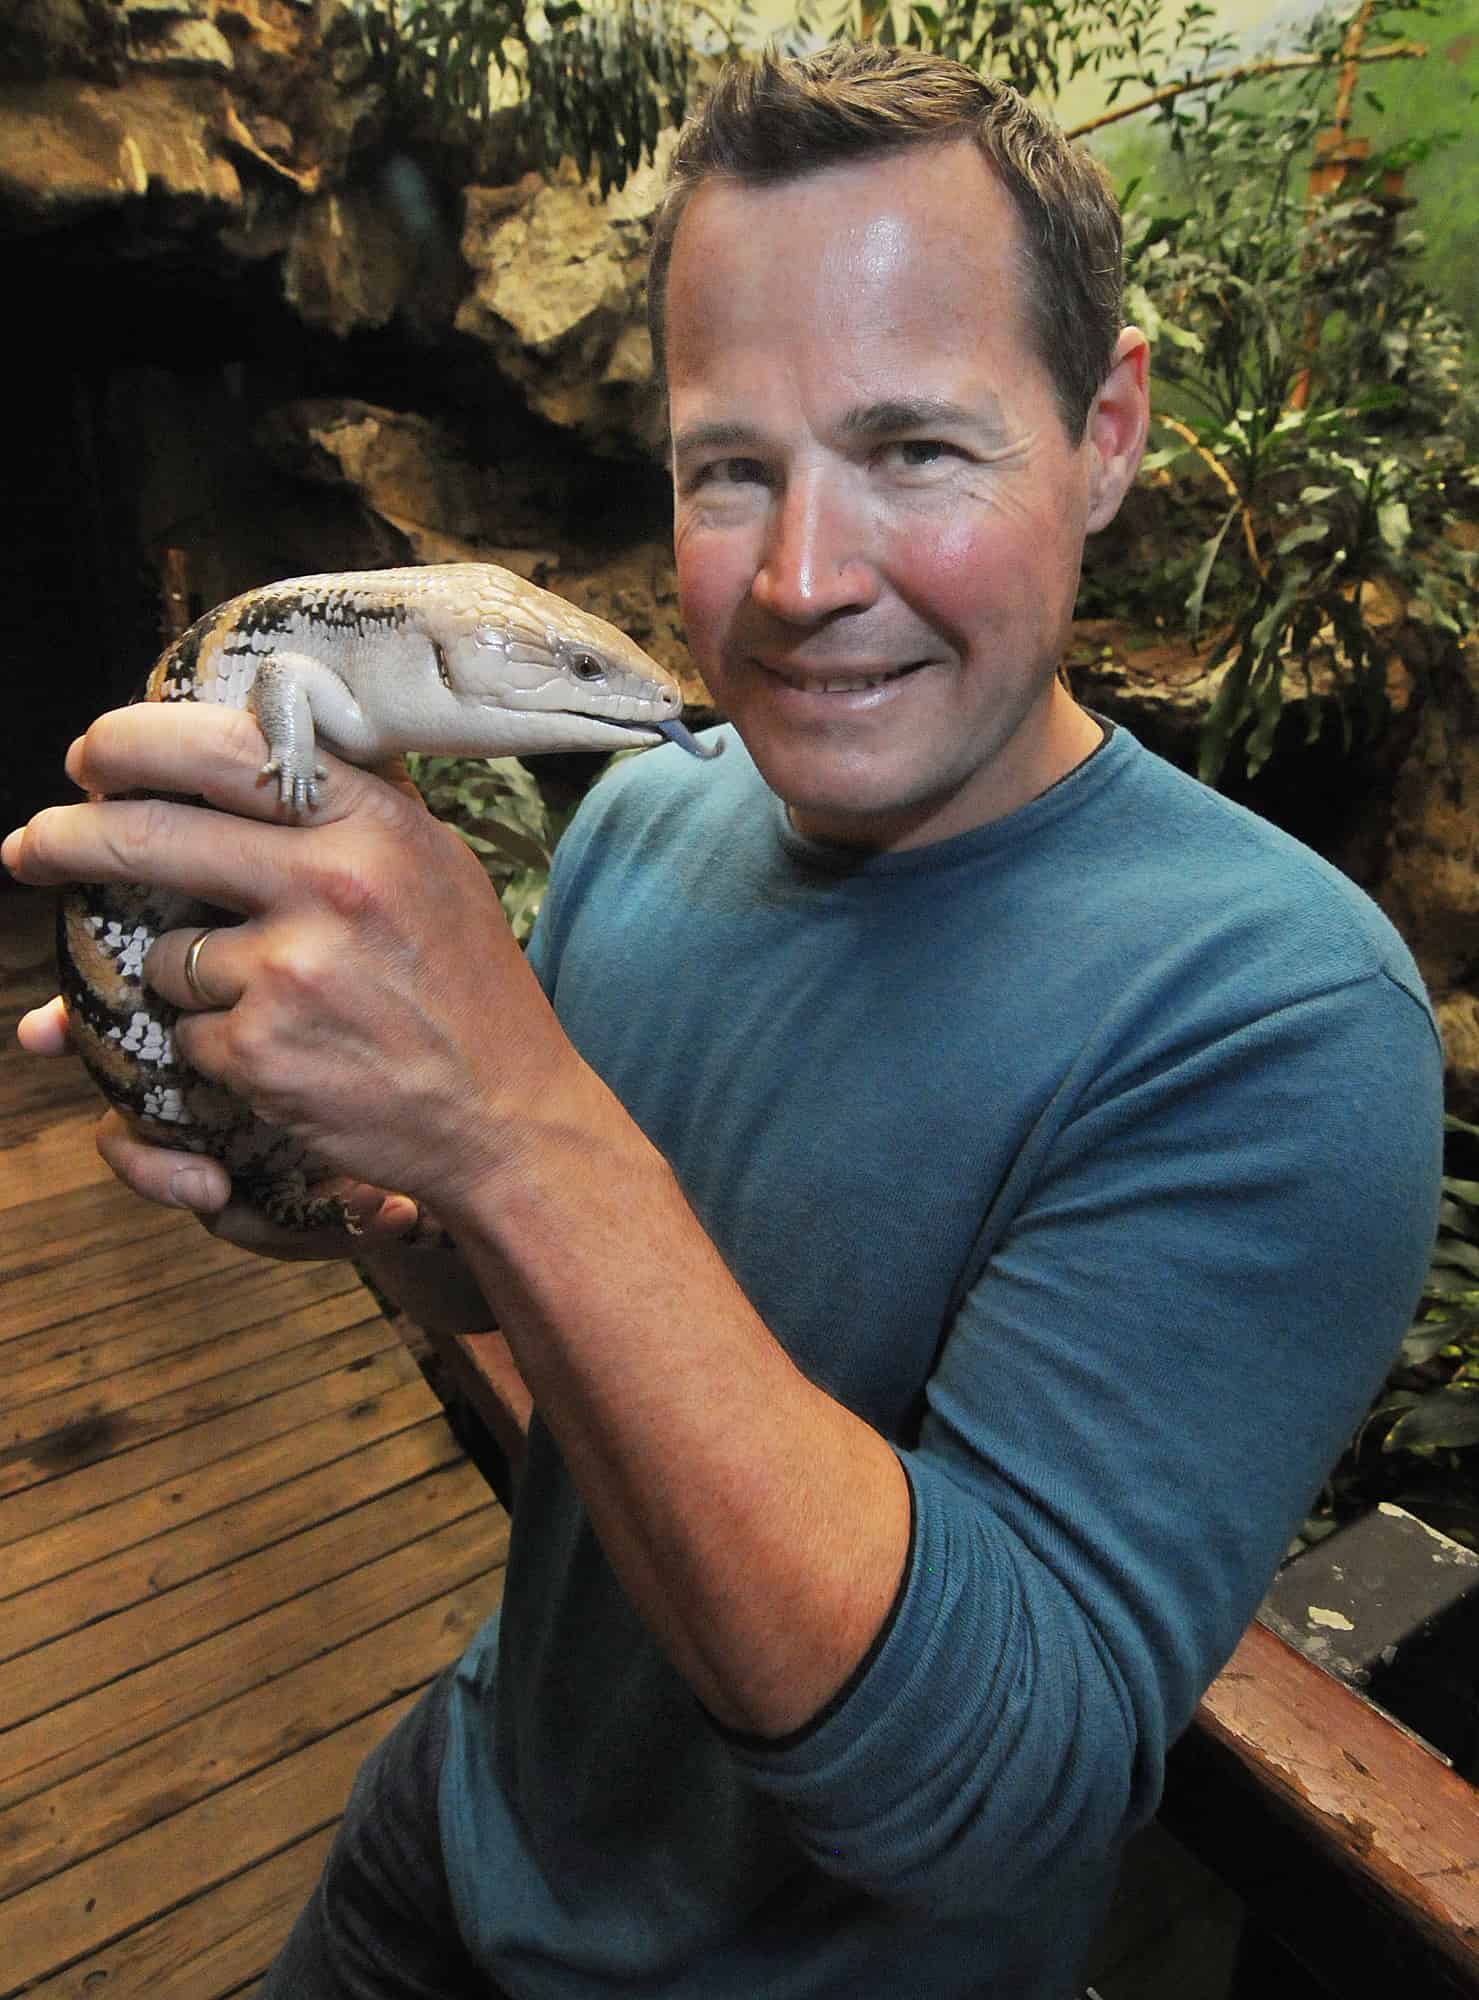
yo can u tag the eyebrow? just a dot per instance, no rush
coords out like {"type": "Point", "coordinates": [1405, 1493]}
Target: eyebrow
{"type": "Point", "coordinates": [921, 413]}
{"type": "Point", "coordinates": [714, 437]}
{"type": "Point", "coordinates": [888, 418]}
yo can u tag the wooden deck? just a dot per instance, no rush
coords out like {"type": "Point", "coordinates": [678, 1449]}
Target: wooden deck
{"type": "Point", "coordinates": [236, 1537]}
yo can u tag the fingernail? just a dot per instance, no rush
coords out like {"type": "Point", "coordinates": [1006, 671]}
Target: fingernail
{"type": "Point", "coordinates": [191, 1188]}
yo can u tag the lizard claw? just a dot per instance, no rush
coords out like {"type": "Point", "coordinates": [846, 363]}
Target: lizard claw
{"type": "Point", "coordinates": [295, 788]}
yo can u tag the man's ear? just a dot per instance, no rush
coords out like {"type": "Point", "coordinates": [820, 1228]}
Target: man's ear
{"type": "Point", "coordinates": [1119, 418]}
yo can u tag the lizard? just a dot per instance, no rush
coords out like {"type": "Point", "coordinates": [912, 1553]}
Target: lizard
{"type": "Point", "coordinates": [458, 659]}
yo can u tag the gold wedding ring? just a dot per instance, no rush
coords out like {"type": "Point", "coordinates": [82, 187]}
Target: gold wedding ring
{"type": "Point", "coordinates": [192, 969]}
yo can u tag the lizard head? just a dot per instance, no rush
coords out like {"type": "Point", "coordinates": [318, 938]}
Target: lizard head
{"type": "Point", "coordinates": [533, 672]}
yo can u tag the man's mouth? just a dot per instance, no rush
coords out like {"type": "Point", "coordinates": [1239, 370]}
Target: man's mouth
{"type": "Point", "coordinates": [843, 683]}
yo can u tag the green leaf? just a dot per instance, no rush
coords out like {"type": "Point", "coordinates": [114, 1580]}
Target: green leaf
{"type": "Point", "coordinates": [1224, 716]}
{"type": "Point", "coordinates": [1447, 1419]}
{"type": "Point", "coordinates": [1204, 570]}
{"type": "Point", "coordinates": [1269, 707]}
{"type": "Point", "coordinates": [513, 843]}
{"type": "Point", "coordinates": [1302, 536]}
{"type": "Point", "coordinates": [1455, 1216]}
{"type": "Point", "coordinates": [1394, 524]}
{"type": "Point", "coordinates": [1456, 1255]}
{"type": "Point", "coordinates": [1447, 1284]}
{"type": "Point", "coordinates": [1421, 1342]}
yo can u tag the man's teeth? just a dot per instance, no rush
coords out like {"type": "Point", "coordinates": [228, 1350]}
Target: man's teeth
{"type": "Point", "coordinates": [843, 684]}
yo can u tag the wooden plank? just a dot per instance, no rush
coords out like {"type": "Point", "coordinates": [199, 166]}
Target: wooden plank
{"type": "Point", "coordinates": [406, 1491]}
{"type": "Point", "coordinates": [60, 1223]}
{"type": "Point", "coordinates": [117, 1454]}
{"type": "Point", "coordinates": [390, 1447]}
{"type": "Point", "coordinates": [210, 1946]}
{"type": "Point", "coordinates": [58, 1159]}
{"type": "Point", "coordinates": [36, 1093]}
{"type": "Point", "coordinates": [112, 1893]}
{"type": "Point", "coordinates": [34, 1099]}
{"type": "Point", "coordinates": [162, 1265]}
{"type": "Point", "coordinates": [1348, 1839]}
{"type": "Point", "coordinates": [102, 1806]}
{"type": "Point", "coordinates": [33, 1091]}
{"type": "Point", "coordinates": [34, 1102]}
{"type": "Point", "coordinates": [74, 1513]}
{"type": "Point", "coordinates": [389, 1396]}
{"type": "Point", "coordinates": [137, 1334]}
{"type": "Point", "coordinates": [98, 1451]}
{"type": "Point", "coordinates": [135, 1708]}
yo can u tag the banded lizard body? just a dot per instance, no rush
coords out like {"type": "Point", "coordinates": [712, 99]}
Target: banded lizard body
{"type": "Point", "coordinates": [459, 659]}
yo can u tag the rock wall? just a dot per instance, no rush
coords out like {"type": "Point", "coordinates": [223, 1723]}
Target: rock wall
{"type": "Point", "coordinates": [269, 335]}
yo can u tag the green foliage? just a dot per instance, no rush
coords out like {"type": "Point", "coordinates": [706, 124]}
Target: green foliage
{"type": "Point", "coordinates": [1432, 1402]}
{"type": "Point", "coordinates": [1439, 95]}
{"type": "Point", "coordinates": [595, 85]}
{"type": "Point", "coordinates": [598, 82]}
{"type": "Point", "coordinates": [602, 85]}
{"type": "Point", "coordinates": [495, 806]}
{"type": "Point", "coordinates": [1039, 47]}
{"type": "Point", "coordinates": [1419, 1443]}
{"type": "Point", "coordinates": [1315, 412]}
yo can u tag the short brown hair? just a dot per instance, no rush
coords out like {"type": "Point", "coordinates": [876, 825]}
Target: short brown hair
{"type": "Point", "coordinates": [778, 119]}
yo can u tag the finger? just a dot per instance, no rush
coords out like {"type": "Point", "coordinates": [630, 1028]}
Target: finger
{"type": "Point", "coordinates": [201, 749]}
{"type": "Point", "coordinates": [43, 1031]}
{"type": "Point", "coordinates": [214, 956]}
{"type": "Point", "coordinates": [379, 1219]}
{"type": "Point", "coordinates": [162, 1174]}
{"type": "Point", "coordinates": [215, 857]}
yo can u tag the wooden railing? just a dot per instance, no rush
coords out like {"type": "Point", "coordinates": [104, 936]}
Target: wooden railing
{"type": "Point", "coordinates": [1354, 1848]}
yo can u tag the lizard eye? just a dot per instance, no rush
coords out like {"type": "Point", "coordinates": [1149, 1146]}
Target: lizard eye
{"type": "Point", "coordinates": [586, 667]}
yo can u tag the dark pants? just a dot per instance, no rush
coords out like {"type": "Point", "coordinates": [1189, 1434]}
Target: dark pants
{"type": "Point", "coordinates": [379, 1926]}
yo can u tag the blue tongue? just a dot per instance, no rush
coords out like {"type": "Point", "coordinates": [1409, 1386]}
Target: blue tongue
{"type": "Point", "coordinates": [677, 732]}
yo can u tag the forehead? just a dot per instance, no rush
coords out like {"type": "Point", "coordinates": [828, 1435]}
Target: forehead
{"type": "Point", "coordinates": [911, 255]}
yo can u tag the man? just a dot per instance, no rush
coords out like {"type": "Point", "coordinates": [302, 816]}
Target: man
{"type": "Point", "coordinates": [967, 1186]}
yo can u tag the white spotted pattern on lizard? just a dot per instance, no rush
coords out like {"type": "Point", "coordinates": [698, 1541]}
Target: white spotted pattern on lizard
{"type": "Point", "coordinates": [455, 659]}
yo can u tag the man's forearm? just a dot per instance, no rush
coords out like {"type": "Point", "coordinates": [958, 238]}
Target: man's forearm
{"type": "Point", "coordinates": [759, 1527]}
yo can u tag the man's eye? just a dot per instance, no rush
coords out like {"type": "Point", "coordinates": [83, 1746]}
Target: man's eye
{"type": "Point", "coordinates": [915, 454]}
{"type": "Point", "coordinates": [729, 472]}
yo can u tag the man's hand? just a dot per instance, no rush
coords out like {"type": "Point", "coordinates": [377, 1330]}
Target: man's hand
{"type": "Point", "coordinates": [372, 1002]}
{"type": "Point", "coordinates": [176, 1179]}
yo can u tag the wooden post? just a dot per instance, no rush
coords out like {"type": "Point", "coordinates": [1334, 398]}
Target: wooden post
{"type": "Point", "coordinates": [1337, 154]}
{"type": "Point", "coordinates": [174, 596]}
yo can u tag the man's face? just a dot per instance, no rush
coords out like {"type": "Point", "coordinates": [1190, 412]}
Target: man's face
{"type": "Point", "coordinates": [878, 514]}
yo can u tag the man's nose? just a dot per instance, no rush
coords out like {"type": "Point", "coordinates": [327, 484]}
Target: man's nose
{"type": "Point", "coordinates": [815, 562]}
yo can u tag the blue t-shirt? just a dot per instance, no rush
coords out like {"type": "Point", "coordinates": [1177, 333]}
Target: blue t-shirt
{"type": "Point", "coordinates": [1092, 1157]}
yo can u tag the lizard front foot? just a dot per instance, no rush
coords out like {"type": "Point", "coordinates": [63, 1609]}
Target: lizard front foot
{"type": "Point", "coordinates": [297, 786]}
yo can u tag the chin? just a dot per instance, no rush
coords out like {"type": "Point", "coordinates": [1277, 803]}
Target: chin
{"type": "Point", "coordinates": [859, 816]}
{"type": "Point", "coordinates": [809, 795]}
